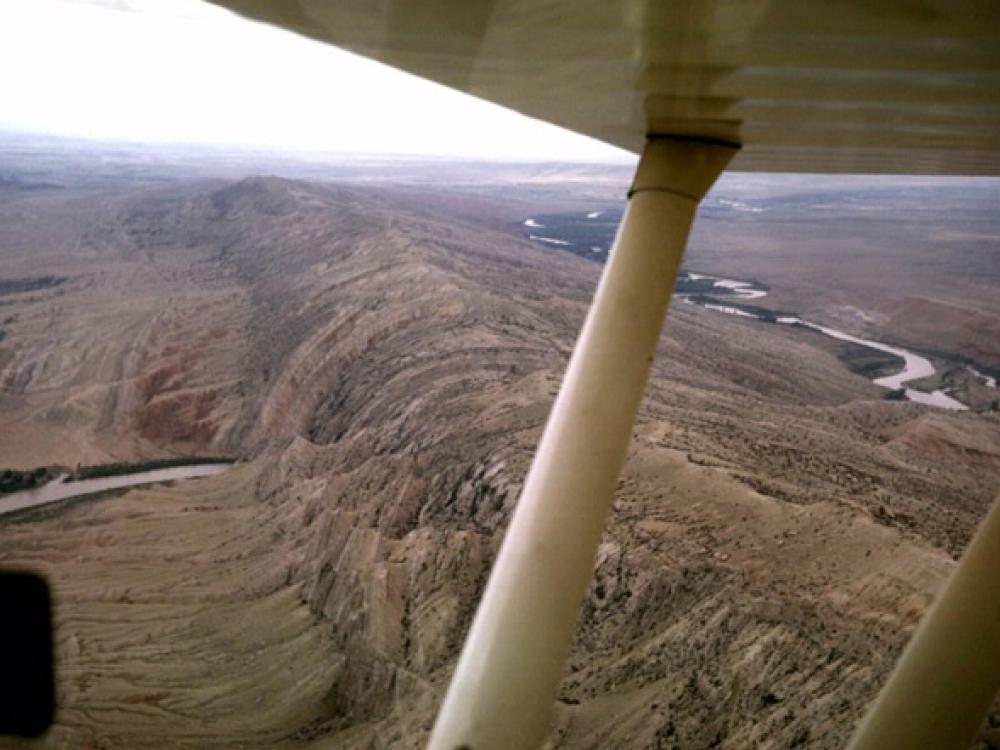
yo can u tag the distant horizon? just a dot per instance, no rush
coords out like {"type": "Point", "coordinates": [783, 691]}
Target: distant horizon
{"type": "Point", "coordinates": [291, 152]}
{"type": "Point", "coordinates": [731, 179]}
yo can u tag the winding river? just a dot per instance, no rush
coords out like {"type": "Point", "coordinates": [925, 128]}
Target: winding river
{"type": "Point", "coordinates": [62, 489]}
{"type": "Point", "coordinates": [730, 296]}
{"type": "Point", "coordinates": [914, 368]}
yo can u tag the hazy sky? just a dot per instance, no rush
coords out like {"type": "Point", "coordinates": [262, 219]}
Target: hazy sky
{"type": "Point", "coordinates": [184, 71]}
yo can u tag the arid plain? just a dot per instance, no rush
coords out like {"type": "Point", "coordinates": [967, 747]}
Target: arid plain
{"type": "Point", "coordinates": [378, 344]}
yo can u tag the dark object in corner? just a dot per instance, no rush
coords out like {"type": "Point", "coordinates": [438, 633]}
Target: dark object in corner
{"type": "Point", "coordinates": [27, 694]}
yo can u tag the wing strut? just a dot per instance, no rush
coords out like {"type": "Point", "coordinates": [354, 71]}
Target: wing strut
{"type": "Point", "coordinates": [949, 673]}
{"type": "Point", "coordinates": [501, 694]}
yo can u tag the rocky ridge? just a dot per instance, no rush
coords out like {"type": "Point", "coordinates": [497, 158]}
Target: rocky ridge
{"type": "Point", "coordinates": [385, 371]}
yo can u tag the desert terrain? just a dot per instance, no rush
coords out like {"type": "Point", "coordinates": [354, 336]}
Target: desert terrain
{"type": "Point", "coordinates": [378, 344]}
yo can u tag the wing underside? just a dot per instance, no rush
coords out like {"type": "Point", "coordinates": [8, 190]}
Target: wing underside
{"type": "Point", "coordinates": [904, 86]}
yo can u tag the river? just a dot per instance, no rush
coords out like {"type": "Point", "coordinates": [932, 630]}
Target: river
{"type": "Point", "coordinates": [730, 295]}
{"type": "Point", "coordinates": [914, 368]}
{"type": "Point", "coordinates": [61, 489]}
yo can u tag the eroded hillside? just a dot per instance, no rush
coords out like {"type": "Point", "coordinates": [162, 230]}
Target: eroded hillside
{"type": "Point", "coordinates": [383, 361]}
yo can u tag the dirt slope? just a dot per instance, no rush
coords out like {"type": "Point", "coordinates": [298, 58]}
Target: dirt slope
{"type": "Point", "coordinates": [384, 369]}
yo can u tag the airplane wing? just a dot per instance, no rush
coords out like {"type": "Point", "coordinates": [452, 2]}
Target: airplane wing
{"type": "Point", "coordinates": [899, 86]}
